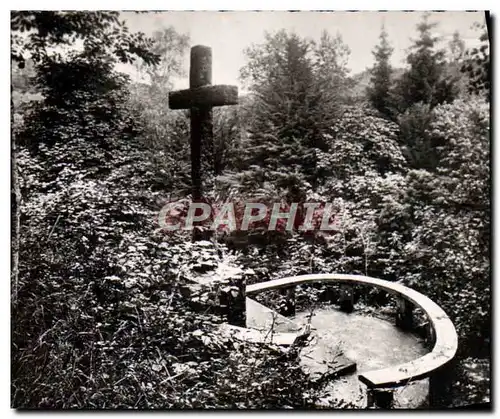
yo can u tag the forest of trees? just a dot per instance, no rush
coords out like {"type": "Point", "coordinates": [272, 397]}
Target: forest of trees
{"type": "Point", "coordinates": [99, 316]}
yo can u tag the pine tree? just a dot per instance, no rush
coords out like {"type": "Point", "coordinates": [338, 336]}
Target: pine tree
{"type": "Point", "coordinates": [379, 90]}
{"type": "Point", "coordinates": [476, 64]}
{"type": "Point", "coordinates": [456, 47]}
{"type": "Point", "coordinates": [455, 59]}
{"type": "Point", "coordinates": [426, 79]}
{"type": "Point", "coordinates": [286, 103]}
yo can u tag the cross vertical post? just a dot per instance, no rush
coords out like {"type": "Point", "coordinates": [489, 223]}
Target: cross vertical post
{"type": "Point", "coordinates": [200, 74]}
{"type": "Point", "coordinates": [199, 99]}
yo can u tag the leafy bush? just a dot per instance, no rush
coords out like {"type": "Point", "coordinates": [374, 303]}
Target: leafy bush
{"type": "Point", "coordinates": [105, 313]}
{"type": "Point", "coordinates": [99, 319]}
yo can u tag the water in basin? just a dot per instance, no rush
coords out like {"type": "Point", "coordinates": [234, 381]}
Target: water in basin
{"type": "Point", "coordinates": [374, 344]}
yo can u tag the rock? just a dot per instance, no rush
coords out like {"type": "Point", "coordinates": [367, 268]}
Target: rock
{"type": "Point", "coordinates": [261, 317]}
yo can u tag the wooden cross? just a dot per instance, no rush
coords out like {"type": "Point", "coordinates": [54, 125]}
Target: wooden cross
{"type": "Point", "coordinates": [200, 98]}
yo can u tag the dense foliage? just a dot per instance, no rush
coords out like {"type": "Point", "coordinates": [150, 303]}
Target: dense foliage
{"type": "Point", "coordinates": [108, 325]}
{"type": "Point", "coordinates": [104, 311]}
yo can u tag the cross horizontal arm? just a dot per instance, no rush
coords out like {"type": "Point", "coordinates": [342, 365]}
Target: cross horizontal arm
{"type": "Point", "coordinates": [219, 95]}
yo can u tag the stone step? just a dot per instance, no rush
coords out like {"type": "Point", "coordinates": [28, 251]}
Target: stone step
{"type": "Point", "coordinates": [317, 360]}
{"type": "Point", "coordinates": [321, 362]}
{"type": "Point", "coordinates": [261, 317]}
